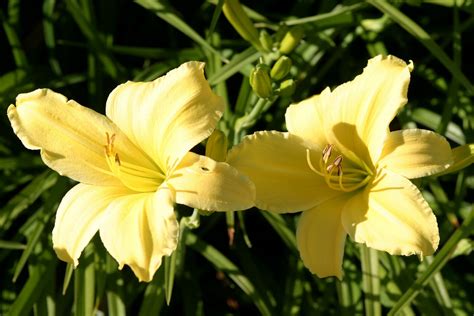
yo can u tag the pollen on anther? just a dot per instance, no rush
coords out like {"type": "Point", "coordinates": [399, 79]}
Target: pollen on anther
{"type": "Point", "coordinates": [117, 159]}
{"type": "Point", "coordinates": [327, 153]}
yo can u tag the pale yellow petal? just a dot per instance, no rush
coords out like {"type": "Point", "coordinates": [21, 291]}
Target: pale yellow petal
{"type": "Point", "coordinates": [321, 237]}
{"type": "Point", "coordinates": [391, 215]}
{"type": "Point", "coordinates": [203, 183]}
{"type": "Point", "coordinates": [79, 216]}
{"type": "Point", "coordinates": [277, 165]}
{"type": "Point", "coordinates": [140, 229]}
{"type": "Point", "coordinates": [415, 153]}
{"type": "Point", "coordinates": [463, 156]}
{"type": "Point", "coordinates": [306, 120]}
{"type": "Point", "coordinates": [71, 137]}
{"type": "Point", "coordinates": [355, 116]}
{"type": "Point", "coordinates": [169, 116]}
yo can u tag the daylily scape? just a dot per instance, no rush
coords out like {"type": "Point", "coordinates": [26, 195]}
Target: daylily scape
{"type": "Point", "coordinates": [132, 164]}
{"type": "Point", "coordinates": [341, 165]}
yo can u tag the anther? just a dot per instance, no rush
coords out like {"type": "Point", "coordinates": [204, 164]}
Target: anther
{"type": "Point", "coordinates": [338, 163]}
{"type": "Point", "coordinates": [327, 153]}
{"type": "Point", "coordinates": [117, 159]}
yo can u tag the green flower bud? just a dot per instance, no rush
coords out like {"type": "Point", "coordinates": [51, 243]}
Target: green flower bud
{"type": "Point", "coordinates": [266, 40]}
{"type": "Point", "coordinates": [260, 81]}
{"type": "Point", "coordinates": [281, 68]}
{"type": "Point", "coordinates": [291, 39]}
{"type": "Point", "coordinates": [216, 147]}
{"type": "Point", "coordinates": [286, 88]}
{"type": "Point", "coordinates": [236, 15]}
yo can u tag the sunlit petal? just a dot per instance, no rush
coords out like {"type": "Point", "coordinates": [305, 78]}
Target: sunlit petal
{"type": "Point", "coordinates": [321, 237]}
{"type": "Point", "coordinates": [71, 137]}
{"type": "Point", "coordinates": [79, 216]}
{"type": "Point", "coordinates": [416, 153]}
{"type": "Point", "coordinates": [169, 116]}
{"type": "Point", "coordinates": [139, 230]}
{"type": "Point", "coordinates": [276, 163]}
{"type": "Point", "coordinates": [306, 120]}
{"type": "Point", "coordinates": [355, 116]}
{"type": "Point", "coordinates": [391, 215]}
{"type": "Point", "coordinates": [202, 183]}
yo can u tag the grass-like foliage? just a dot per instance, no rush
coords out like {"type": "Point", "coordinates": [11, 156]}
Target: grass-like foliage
{"type": "Point", "coordinates": [246, 262]}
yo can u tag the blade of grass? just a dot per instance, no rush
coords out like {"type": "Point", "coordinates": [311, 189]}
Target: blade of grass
{"type": "Point", "coordinates": [240, 63]}
{"type": "Point", "coordinates": [439, 288]}
{"type": "Point", "coordinates": [14, 245]}
{"type": "Point", "coordinates": [222, 263]}
{"type": "Point", "coordinates": [432, 120]}
{"type": "Point", "coordinates": [50, 37]}
{"type": "Point", "coordinates": [215, 18]}
{"type": "Point", "coordinates": [424, 38]}
{"type": "Point", "coordinates": [41, 274]}
{"type": "Point", "coordinates": [154, 296]}
{"type": "Point", "coordinates": [339, 14]}
{"type": "Point", "coordinates": [26, 197]}
{"type": "Point", "coordinates": [17, 51]}
{"type": "Point", "coordinates": [166, 13]}
{"type": "Point", "coordinates": [111, 66]}
{"type": "Point", "coordinates": [282, 229]}
{"type": "Point", "coordinates": [439, 261]}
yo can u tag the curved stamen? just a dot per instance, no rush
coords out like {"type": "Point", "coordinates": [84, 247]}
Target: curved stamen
{"type": "Point", "coordinates": [134, 177]}
{"type": "Point", "coordinates": [355, 178]}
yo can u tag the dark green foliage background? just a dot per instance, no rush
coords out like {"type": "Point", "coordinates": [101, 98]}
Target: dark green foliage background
{"type": "Point", "coordinates": [84, 48]}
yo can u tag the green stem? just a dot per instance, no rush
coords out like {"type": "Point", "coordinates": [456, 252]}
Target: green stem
{"type": "Point", "coordinates": [439, 261]}
{"type": "Point", "coordinates": [248, 120]}
{"type": "Point", "coordinates": [370, 280]}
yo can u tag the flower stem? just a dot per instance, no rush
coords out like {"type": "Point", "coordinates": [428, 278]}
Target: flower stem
{"type": "Point", "coordinates": [370, 280]}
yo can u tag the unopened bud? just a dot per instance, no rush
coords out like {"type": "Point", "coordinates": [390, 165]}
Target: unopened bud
{"type": "Point", "coordinates": [266, 41]}
{"type": "Point", "coordinates": [216, 147]}
{"type": "Point", "coordinates": [287, 88]}
{"type": "Point", "coordinates": [281, 68]}
{"type": "Point", "coordinates": [260, 81]}
{"type": "Point", "coordinates": [236, 15]}
{"type": "Point", "coordinates": [291, 39]}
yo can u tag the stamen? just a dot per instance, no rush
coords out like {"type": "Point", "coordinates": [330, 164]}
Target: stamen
{"type": "Point", "coordinates": [327, 153]}
{"type": "Point", "coordinates": [338, 163]}
{"type": "Point", "coordinates": [308, 160]}
{"type": "Point", "coordinates": [117, 160]}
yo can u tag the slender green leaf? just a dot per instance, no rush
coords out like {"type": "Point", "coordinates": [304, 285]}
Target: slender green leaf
{"type": "Point", "coordinates": [154, 296]}
{"type": "Point", "coordinates": [421, 35]}
{"type": "Point", "coordinates": [40, 276]}
{"type": "Point", "coordinates": [165, 12]}
{"type": "Point", "coordinates": [439, 261]}
{"type": "Point", "coordinates": [225, 265]}
{"type": "Point", "coordinates": [282, 229]}
{"type": "Point", "coordinates": [340, 15]}
{"type": "Point", "coordinates": [432, 120]}
{"type": "Point", "coordinates": [111, 66]}
{"type": "Point", "coordinates": [240, 63]}
{"type": "Point", "coordinates": [5, 244]}
{"type": "Point", "coordinates": [26, 197]}
{"type": "Point", "coordinates": [18, 53]}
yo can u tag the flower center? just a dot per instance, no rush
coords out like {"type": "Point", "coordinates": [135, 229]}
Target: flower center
{"type": "Point", "coordinates": [345, 179]}
{"type": "Point", "coordinates": [133, 176]}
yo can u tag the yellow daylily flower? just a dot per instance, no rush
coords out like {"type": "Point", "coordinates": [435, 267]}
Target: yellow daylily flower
{"type": "Point", "coordinates": [341, 166]}
{"type": "Point", "coordinates": [132, 164]}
